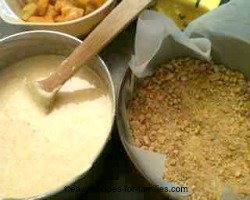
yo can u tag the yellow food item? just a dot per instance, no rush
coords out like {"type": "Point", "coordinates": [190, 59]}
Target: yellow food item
{"type": "Point", "coordinates": [42, 6]}
{"type": "Point", "coordinates": [60, 4]}
{"type": "Point", "coordinates": [58, 10]}
{"type": "Point", "coordinates": [29, 10]}
{"type": "Point", "coordinates": [69, 13]}
{"type": "Point", "coordinates": [51, 12]}
{"type": "Point", "coordinates": [184, 11]}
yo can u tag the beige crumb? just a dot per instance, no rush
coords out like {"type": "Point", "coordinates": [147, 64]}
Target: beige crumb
{"type": "Point", "coordinates": [197, 113]}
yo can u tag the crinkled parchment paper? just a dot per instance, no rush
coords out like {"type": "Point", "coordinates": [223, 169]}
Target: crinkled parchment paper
{"type": "Point", "coordinates": [222, 34]}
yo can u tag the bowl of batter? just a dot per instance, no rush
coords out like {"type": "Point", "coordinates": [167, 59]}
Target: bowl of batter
{"type": "Point", "coordinates": [43, 153]}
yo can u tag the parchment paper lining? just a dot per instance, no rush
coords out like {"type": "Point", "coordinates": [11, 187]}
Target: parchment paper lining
{"type": "Point", "coordinates": [222, 34]}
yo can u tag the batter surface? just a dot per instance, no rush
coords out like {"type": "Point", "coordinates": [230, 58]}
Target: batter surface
{"type": "Point", "coordinates": [38, 152]}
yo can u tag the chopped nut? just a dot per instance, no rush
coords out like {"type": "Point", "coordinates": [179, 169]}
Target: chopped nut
{"type": "Point", "coordinates": [237, 174]}
{"type": "Point", "coordinates": [169, 76]}
{"type": "Point", "coordinates": [184, 78]}
{"type": "Point", "coordinates": [137, 142]}
{"type": "Point", "coordinates": [175, 151]}
{"type": "Point", "coordinates": [146, 140]}
{"type": "Point", "coordinates": [161, 139]}
{"type": "Point", "coordinates": [173, 162]}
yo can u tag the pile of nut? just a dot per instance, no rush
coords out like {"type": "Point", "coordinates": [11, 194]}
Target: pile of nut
{"type": "Point", "coordinates": [198, 114]}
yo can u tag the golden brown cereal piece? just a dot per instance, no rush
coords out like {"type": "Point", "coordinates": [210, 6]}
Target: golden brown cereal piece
{"type": "Point", "coordinates": [29, 10]}
{"type": "Point", "coordinates": [51, 13]}
{"type": "Point", "coordinates": [69, 13]}
{"type": "Point", "coordinates": [60, 4]}
{"type": "Point", "coordinates": [90, 5]}
{"type": "Point", "coordinates": [42, 7]}
{"type": "Point", "coordinates": [49, 17]}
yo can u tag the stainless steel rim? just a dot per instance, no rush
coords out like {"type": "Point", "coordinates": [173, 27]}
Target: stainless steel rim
{"type": "Point", "coordinates": [111, 85]}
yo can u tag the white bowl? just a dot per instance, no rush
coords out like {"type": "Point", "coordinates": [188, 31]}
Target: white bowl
{"type": "Point", "coordinates": [10, 12]}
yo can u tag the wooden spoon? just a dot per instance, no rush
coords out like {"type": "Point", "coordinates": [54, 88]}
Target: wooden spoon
{"type": "Point", "coordinates": [46, 89]}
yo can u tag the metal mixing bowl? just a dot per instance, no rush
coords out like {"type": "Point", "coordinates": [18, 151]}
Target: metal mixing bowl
{"type": "Point", "coordinates": [26, 44]}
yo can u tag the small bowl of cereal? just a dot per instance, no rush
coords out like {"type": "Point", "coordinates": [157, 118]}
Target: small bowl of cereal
{"type": "Point", "coordinates": [73, 17]}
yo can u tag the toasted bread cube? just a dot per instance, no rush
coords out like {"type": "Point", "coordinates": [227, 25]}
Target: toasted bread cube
{"type": "Point", "coordinates": [29, 10]}
{"type": "Point", "coordinates": [42, 7]}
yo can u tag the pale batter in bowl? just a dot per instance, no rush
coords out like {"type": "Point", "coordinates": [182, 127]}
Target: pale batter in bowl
{"type": "Point", "coordinates": [40, 152]}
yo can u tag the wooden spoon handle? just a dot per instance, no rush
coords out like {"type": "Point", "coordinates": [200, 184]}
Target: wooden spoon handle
{"type": "Point", "coordinates": [113, 24]}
